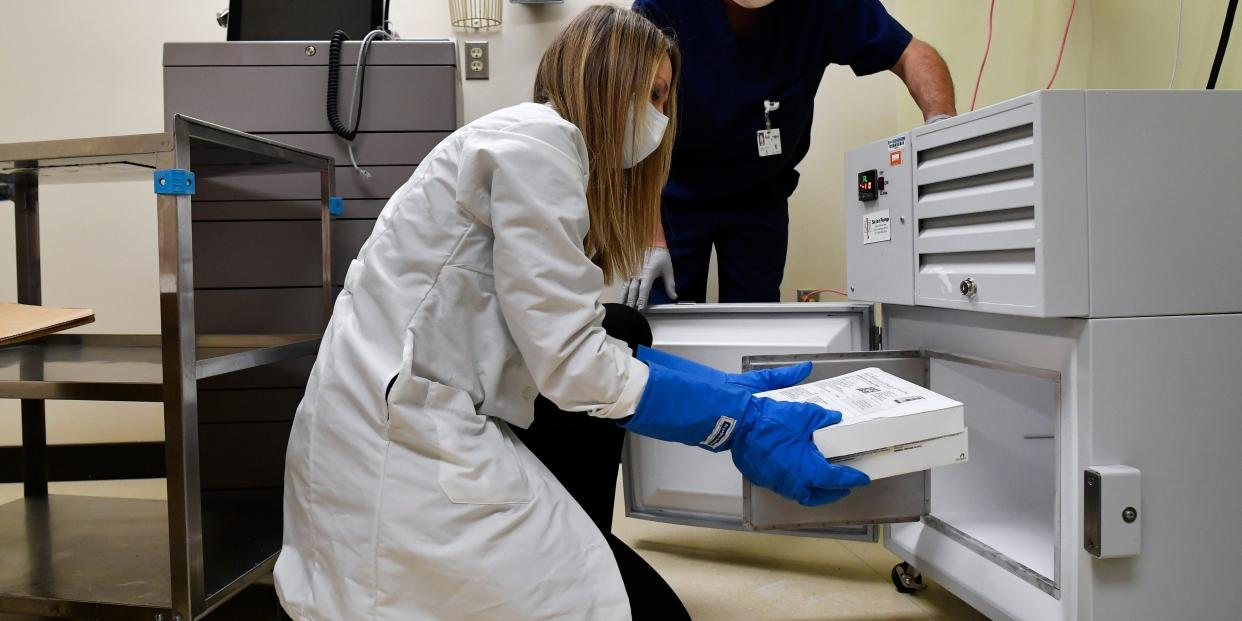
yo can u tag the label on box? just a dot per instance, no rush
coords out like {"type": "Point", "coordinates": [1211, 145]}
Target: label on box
{"type": "Point", "coordinates": [876, 227]}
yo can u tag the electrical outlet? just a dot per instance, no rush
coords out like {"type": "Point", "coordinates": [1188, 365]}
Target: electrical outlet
{"type": "Point", "coordinates": [477, 61]}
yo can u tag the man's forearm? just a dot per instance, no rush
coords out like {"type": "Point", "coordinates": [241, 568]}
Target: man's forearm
{"type": "Point", "coordinates": [927, 77]}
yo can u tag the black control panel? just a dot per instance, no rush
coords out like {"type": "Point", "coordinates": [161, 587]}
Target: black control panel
{"type": "Point", "coordinates": [868, 185]}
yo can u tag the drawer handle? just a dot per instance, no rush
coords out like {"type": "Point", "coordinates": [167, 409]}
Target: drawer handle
{"type": "Point", "coordinates": [969, 287]}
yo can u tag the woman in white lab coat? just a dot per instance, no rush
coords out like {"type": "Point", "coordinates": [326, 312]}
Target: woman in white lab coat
{"type": "Point", "coordinates": [407, 494]}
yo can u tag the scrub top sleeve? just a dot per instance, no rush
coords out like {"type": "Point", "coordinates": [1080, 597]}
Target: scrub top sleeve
{"type": "Point", "coordinates": [865, 37]}
{"type": "Point", "coordinates": [548, 290]}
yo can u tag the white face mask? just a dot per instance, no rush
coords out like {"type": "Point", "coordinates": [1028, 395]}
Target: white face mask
{"type": "Point", "coordinates": [753, 4]}
{"type": "Point", "coordinates": [643, 142]}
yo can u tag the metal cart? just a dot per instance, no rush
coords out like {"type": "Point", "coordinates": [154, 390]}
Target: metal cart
{"type": "Point", "coordinates": [112, 558]}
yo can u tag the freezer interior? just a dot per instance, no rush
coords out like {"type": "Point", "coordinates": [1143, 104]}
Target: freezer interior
{"type": "Point", "coordinates": [1004, 500]}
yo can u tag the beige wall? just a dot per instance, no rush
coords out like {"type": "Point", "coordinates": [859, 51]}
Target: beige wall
{"type": "Point", "coordinates": [83, 67]}
{"type": "Point", "coordinates": [1112, 44]}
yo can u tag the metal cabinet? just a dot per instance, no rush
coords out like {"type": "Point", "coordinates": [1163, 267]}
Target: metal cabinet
{"type": "Point", "coordinates": [254, 234]}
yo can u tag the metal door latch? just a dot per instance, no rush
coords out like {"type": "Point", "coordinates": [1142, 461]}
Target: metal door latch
{"type": "Point", "coordinates": [969, 287]}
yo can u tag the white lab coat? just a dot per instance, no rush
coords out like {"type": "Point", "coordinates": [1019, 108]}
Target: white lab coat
{"type": "Point", "coordinates": [472, 295]}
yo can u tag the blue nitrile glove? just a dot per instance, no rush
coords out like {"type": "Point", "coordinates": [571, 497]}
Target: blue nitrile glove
{"type": "Point", "coordinates": [771, 439]}
{"type": "Point", "coordinates": [754, 381]}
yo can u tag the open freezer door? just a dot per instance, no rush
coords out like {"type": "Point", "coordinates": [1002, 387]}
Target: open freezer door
{"type": "Point", "coordinates": [669, 482]}
{"type": "Point", "coordinates": [904, 498]}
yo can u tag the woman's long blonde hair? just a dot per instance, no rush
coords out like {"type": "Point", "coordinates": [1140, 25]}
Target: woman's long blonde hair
{"type": "Point", "coordinates": [598, 67]}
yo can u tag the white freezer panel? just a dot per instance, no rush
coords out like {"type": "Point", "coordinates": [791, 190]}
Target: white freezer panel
{"type": "Point", "coordinates": [1167, 399]}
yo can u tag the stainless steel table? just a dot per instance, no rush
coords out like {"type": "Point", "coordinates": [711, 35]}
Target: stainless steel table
{"type": "Point", "coordinates": [111, 558]}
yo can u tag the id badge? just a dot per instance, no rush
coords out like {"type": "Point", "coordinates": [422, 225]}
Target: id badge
{"type": "Point", "coordinates": [769, 141]}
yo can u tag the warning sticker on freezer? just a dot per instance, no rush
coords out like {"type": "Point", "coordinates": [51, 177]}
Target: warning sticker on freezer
{"type": "Point", "coordinates": [875, 227]}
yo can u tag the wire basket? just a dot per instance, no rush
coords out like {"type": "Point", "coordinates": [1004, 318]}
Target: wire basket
{"type": "Point", "coordinates": [476, 14]}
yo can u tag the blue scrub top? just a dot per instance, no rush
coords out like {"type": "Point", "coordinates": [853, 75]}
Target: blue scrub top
{"type": "Point", "coordinates": [725, 80]}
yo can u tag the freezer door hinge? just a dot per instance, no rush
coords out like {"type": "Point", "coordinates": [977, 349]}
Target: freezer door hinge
{"type": "Point", "coordinates": [176, 181]}
{"type": "Point", "coordinates": [877, 338]}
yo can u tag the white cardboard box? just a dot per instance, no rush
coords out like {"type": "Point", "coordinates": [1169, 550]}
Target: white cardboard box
{"type": "Point", "coordinates": [911, 457]}
{"type": "Point", "coordinates": [888, 426]}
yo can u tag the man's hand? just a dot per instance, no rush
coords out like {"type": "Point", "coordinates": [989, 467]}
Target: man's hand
{"type": "Point", "coordinates": [657, 264]}
{"type": "Point", "coordinates": [927, 78]}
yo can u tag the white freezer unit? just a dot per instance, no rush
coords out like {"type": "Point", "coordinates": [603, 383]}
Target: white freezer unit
{"type": "Point", "coordinates": [1045, 399]}
{"type": "Point", "coordinates": [1065, 265]}
{"type": "Point", "coordinates": [1007, 531]}
{"type": "Point", "coordinates": [1056, 204]}
{"type": "Point", "coordinates": [687, 485]}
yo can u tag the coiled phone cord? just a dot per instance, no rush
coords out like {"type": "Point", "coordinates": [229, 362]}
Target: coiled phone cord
{"type": "Point", "coordinates": [355, 103]}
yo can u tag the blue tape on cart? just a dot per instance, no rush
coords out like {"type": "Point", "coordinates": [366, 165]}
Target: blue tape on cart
{"type": "Point", "coordinates": [175, 181]}
{"type": "Point", "coordinates": [336, 205]}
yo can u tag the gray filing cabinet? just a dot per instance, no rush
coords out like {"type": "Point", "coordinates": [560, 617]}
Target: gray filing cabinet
{"type": "Point", "coordinates": [256, 256]}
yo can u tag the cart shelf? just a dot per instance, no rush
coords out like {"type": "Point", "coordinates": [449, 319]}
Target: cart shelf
{"type": "Point", "coordinates": [124, 367]}
{"type": "Point", "coordinates": [111, 558]}
{"type": "Point", "coordinates": [108, 557]}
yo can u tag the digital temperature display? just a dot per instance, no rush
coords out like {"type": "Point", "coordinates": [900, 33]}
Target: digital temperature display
{"type": "Point", "coordinates": [868, 185]}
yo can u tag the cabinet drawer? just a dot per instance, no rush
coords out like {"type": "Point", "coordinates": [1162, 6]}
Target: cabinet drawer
{"type": "Point", "coordinates": [291, 99]}
{"type": "Point", "coordinates": [260, 311]}
{"type": "Point", "coordinates": [287, 374]}
{"type": "Point", "coordinates": [231, 255]}
{"type": "Point", "coordinates": [249, 406]}
{"type": "Point", "coordinates": [370, 149]}
{"type": "Point", "coordinates": [382, 184]}
{"type": "Point", "coordinates": [242, 455]}
{"type": "Point", "coordinates": [306, 209]}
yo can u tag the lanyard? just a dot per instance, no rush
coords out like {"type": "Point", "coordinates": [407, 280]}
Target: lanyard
{"type": "Point", "coordinates": [769, 107]}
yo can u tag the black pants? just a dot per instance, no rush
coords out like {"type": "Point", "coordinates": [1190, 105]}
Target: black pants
{"type": "Point", "coordinates": [750, 235]}
{"type": "Point", "coordinates": [584, 453]}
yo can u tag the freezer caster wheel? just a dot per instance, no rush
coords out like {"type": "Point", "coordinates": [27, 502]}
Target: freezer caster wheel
{"type": "Point", "coordinates": [907, 579]}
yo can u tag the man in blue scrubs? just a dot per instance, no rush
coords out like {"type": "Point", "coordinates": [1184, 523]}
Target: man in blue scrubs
{"type": "Point", "coordinates": [749, 76]}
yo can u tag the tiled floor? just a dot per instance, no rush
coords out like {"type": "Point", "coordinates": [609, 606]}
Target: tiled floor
{"type": "Point", "coordinates": [726, 575]}
{"type": "Point", "coordinates": [720, 575]}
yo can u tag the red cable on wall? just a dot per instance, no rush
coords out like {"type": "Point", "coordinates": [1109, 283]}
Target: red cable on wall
{"type": "Point", "coordinates": [1064, 37]}
{"type": "Point", "coordinates": [986, 48]}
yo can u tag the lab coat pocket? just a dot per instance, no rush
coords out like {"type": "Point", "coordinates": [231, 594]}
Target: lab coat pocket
{"type": "Point", "coordinates": [392, 381]}
{"type": "Point", "coordinates": [478, 461]}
